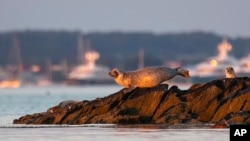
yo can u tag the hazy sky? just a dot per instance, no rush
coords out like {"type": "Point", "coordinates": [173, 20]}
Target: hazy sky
{"type": "Point", "coordinates": [223, 17]}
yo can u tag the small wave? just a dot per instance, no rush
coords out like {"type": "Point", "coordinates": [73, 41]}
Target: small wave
{"type": "Point", "coordinates": [57, 126]}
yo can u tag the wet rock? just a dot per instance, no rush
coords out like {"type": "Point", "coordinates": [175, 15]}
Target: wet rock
{"type": "Point", "coordinates": [222, 102]}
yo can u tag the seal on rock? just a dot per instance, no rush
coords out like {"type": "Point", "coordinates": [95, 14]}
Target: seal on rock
{"type": "Point", "coordinates": [146, 77]}
{"type": "Point", "coordinates": [230, 72]}
{"type": "Point", "coordinates": [64, 104]}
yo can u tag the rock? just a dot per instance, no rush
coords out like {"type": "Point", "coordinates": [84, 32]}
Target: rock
{"type": "Point", "coordinates": [221, 102]}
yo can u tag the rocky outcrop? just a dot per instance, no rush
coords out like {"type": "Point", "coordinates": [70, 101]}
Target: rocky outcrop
{"type": "Point", "coordinates": [224, 101]}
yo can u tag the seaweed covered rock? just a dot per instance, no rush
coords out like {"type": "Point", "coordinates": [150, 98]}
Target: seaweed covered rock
{"type": "Point", "coordinates": [223, 100]}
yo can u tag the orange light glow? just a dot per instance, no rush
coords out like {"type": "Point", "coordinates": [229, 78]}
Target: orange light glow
{"type": "Point", "coordinates": [35, 68]}
{"type": "Point", "coordinates": [213, 63]}
{"type": "Point", "coordinates": [10, 84]}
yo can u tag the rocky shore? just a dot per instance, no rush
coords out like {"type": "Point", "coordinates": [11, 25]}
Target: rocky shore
{"type": "Point", "coordinates": [220, 102]}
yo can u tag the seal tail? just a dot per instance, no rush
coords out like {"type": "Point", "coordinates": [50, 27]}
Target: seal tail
{"type": "Point", "coordinates": [177, 68]}
{"type": "Point", "coordinates": [182, 72]}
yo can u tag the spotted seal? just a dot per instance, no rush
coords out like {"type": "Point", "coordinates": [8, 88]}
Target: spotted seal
{"type": "Point", "coordinates": [146, 77]}
{"type": "Point", "coordinates": [230, 72]}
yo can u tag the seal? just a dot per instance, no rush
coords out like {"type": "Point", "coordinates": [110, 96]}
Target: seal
{"type": "Point", "coordinates": [64, 104]}
{"type": "Point", "coordinates": [146, 77]}
{"type": "Point", "coordinates": [230, 72]}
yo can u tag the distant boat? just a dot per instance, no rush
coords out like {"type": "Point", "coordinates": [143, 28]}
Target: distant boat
{"type": "Point", "coordinates": [13, 74]}
{"type": "Point", "coordinates": [10, 77]}
{"type": "Point", "coordinates": [214, 67]}
{"type": "Point", "coordinates": [7, 80]}
{"type": "Point", "coordinates": [87, 72]}
{"type": "Point", "coordinates": [245, 64]}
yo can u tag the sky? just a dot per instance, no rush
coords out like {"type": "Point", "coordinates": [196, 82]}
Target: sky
{"type": "Point", "coordinates": [223, 17]}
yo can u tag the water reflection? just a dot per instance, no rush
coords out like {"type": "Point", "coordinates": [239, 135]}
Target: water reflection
{"type": "Point", "coordinates": [112, 133]}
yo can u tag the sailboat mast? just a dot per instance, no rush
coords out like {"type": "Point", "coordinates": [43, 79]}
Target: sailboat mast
{"type": "Point", "coordinates": [141, 58]}
{"type": "Point", "coordinates": [80, 45]}
{"type": "Point", "coordinates": [17, 58]}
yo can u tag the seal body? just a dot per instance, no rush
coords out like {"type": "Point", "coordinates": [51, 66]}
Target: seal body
{"type": "Point", "coordinates": [230, 72]}
{"type": "Point", "coordinates": [146, 77]}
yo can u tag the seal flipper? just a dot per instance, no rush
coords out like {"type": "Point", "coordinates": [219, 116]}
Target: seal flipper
{"type": "Point", "coordinates": [183, 72]}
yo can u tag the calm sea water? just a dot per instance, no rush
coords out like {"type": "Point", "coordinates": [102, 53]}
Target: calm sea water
{"type": "Point", "coordinates": [28, 100]}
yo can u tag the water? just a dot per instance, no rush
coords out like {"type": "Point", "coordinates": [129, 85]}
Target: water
{"type": "Point", "coordinates": [28, 100]}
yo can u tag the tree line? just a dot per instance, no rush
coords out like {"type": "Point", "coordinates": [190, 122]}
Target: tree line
{"type": "Point", "coordinates": [117, 49]}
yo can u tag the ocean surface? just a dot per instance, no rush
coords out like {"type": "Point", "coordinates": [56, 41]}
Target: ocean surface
{"type": "Point", "coordinates": [15, 103]}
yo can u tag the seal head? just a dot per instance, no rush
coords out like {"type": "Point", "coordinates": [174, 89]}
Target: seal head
{"type": "Point", "coordinates": [230, 72]}
{"type": "Point", "coordinates": [120, 77]}
{"type": "Point", "coordinates": [115, 73]}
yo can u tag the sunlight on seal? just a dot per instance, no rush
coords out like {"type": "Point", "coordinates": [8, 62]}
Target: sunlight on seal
{"type": "Point", "coordinates": [146, 77]}
{"type": "Point", "coordinates": [230, 72]}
